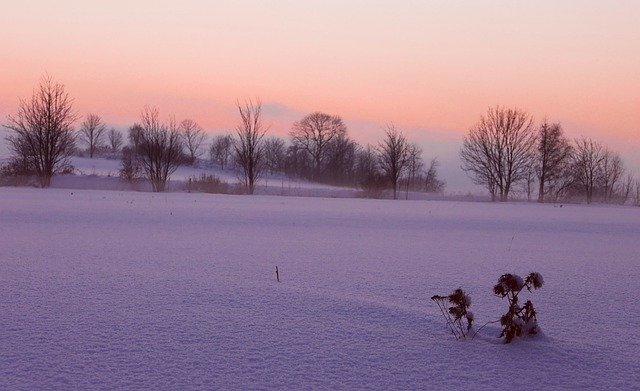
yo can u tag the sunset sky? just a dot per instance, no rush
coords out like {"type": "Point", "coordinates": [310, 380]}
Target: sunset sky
{"type": "Point", "coordinates": [430, 67]}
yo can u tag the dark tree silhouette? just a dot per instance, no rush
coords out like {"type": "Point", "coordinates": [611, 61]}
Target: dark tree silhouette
{"type": "Point", "coordinates": [393, 156]}
{"type": "Point", "coordinates": [221, 149]}
{"type": "Point", "coordinates": [159, 148]}
{"type": "Point", "coordinates": [498, 151]}
{"type": "Point", "coordinates": [314, 133]}
{"type": "Point", "coordinates": [42, 130]}
{"type": "Point", "coordinates": [586, 165]}
{"type": "Point", "coordinates": [275, 152]}
{"type": "Point", "coordinates": [611, 174]}
{"type": "Point", "coordinates": [553, 155]}
{"type": "Point", "coordinates": [192, 137]}
{"type": "Point", "coordinates": [115, 140]}
{"type": "Point", "coordinates": [91, 132]}
{"type": "Point", "coordinates": [248, 146]}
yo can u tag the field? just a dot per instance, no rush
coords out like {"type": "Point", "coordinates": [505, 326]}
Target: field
{"type": "Point", "coordinates": [111, 289]}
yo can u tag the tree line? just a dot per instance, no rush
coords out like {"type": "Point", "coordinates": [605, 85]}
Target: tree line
{"type": "Point", "coordinates": [318, 148]}
{"type": "Point", "coordinates": [506, 151]}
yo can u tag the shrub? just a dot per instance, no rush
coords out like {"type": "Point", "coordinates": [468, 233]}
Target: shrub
{"type": "Point", "coordinates": [457, 313]}
{"type": "Point", "coordinates": [209, 184]}
{"type": "Point", "coordinates": [518, 321]}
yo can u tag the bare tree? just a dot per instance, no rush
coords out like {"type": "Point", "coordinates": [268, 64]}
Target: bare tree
{"type": "Point", "coordinates": [115, 140]}
{"type": "Point", "coordinates": [414, 166]}
{"type": "Point", "coordinates": [159, 149]}
{"type": "Point", "coordinates": [43, 130]}
{"type": "Point", "coordinates": [612, 171]}
{"type": "Point", "coordinates": [625, 190]}
{"type": "Point", "coordinates": [636, 193]}
{"type": "Point", "coordinates": [499, 150]}
{"type": "Point", "coordinates": [274, 154]}
{"type": "Point", "coordinates": [192, 136]}
{"type": "Point", "coordinates": [553, 154]}
{"type": "Point", "coordinates": [586, 165]}
{"type": "Point", "coordinates": [249, 146]}
{"type": "Point", "coordinates": [221, 149]}
{"type": "Point", "coordinates": [339, 166]}
{"type": "Point", "coordinates": [135, 134]}
{"type": "Point", "coordinates": [91, 132]}
{"type": "Point", "coordinates": [432, 183]}
{"type": "Point", "coordinates": [392, 155]}
{"type": "Point", "coordinates": [314, 133]}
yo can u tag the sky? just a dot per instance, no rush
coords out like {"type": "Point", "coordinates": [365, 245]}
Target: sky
{"type": "Point", "coordinates": [432, 68]}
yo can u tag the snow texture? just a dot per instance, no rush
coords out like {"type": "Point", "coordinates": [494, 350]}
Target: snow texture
{"type": "Point", "coordinates": [128, 290]}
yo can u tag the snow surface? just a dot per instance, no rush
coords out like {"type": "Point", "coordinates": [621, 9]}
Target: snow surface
{"type": "Point", "coordinates": [110, 289]}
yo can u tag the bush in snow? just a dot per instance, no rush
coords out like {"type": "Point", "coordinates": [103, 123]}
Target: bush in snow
{"type": "Point", "coordinates": [518, 320]}
{"type": "Point", "coordinates": [457, 313]}
{"type": "Point", "coordinates": [209, 184]}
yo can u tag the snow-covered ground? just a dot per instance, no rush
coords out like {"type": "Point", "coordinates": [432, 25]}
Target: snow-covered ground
{"type": "Point", "coordinates": [110, 289]}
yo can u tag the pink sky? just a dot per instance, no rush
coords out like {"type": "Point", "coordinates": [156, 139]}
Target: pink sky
{"type": "Point", "coordinates": [431, 67]}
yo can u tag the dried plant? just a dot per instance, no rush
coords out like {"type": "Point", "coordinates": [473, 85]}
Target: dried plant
{"type": "Point", "coordinates": [456, 314]}
{"type": "Point", "coordinates": [518, 321]}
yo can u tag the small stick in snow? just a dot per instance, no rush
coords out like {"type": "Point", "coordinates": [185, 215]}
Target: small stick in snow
{"type": "Point", "coordinates": [277, 274]}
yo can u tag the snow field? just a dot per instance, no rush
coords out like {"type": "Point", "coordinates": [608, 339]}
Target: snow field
{"type": "Point", "coordinates": [108, 289]}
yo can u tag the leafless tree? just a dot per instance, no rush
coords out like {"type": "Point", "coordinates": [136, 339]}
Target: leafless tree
{"type": "Point", "coordinates": [553, 155]}
{"type": "Point", "coordinates": [42, 131]}
{"type": "Point", "coordinates": [248, 146]}
{"type": "Point", "coordinates": [393, 156]}
{"type": "Point", "coordinates": [115, 140]}
{"type": "Point", "coordinates": [625, 189]}
{"type": "Point", "coordinates": [636, 193]}
{"type": "Point", "coordinates": [274, 154]}
{"type": "Point", "coordinates": [91, 132]}
{"type": "Point", "coordinates": [432, 183]}
{"type": "Point", "coordinates": [135, 133]}
{"type": "Point", "coordinates": [339, 166]}
{"type": "Point", "coordinates": [586, 165]}
{"type": "Point", "coordinates": [414, 166]}
{"type": "Point", "coordinates": [612, 171]}
{"type": "Point", "coordinates": [221, 149]}
{"type": "Point", "coordinates": [314, 133]}
{"type": "Point", "coordinates": [192, 137]}
{"type": "Point", "coordinates": [499, 150]}
{"type": "Point", "coordinates": [159, 149]}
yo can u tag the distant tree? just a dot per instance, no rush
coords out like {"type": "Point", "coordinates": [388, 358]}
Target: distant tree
{"type": "Point", "coordinates": [159, 148]}
{"type": "Point", "coordinates": [298, 162]}
{"type": "Point", "coordinates": [42, 131]}
{"type": "Point", "coordinates": [499, 150]}
{"type": "Point", "coordinates": [248, 146]}
{"type": "Point", "coordinates": [340, 161]}
{"type": "Point", "coordinates": [91, 132]}
{"type": "Point", "coordinates": [586, 165]}
{"type": "Point", "coordinates": [366, 162]}
{"type": "Point", "coordinates": [552, 156]}
{"type": "Point", "coordinates": [192, 137]}
{"type": "Point", "coordinates": [130, 169]}
{"type": "Point", "coordinates": [415, 165]}
{"type": "Point", "coordinates": [432, 183]}
{"type": "Point", "coordinates": [636, 193]}
{"type": "Point", "coordinates": [314, 133]}
{"type": "Point", "coordinates": [393, 156]}
{"type": "Point", "coordinates": [115, 140]}
{"type": "Point", "coordinates": [135, 133]}
{"type": "Point", "coordinates": [611, 175]}
{"type": "Point", "coordinates": [221, 149]}
{"type": "Point", "coordinates": [275, 152]}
